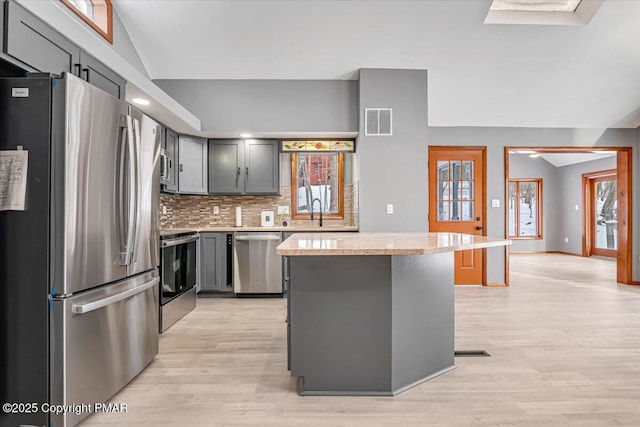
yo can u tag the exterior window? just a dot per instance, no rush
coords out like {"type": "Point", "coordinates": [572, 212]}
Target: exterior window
{"type": "Point", "coordinates": [97, 13]}
{"type": "Point", "coordinates": [525, 209]}
{"type": "Point", "coordinates": [317, 176]}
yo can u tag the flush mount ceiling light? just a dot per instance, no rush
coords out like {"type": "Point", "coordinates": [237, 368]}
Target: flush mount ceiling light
{"type": "Point", "coordinates": [245, 135]}
{"type": "Point", "coordinates": [140, 101]}
{"type": "Point", "coordinates": [542, 12]}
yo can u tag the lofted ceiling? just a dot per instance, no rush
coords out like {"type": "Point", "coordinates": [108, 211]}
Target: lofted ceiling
{"type": "Point", "coordinates": [479, 74]}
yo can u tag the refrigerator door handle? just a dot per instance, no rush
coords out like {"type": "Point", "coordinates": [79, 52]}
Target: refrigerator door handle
{"type": "Point", "coordinates": [121, 190]}
{"type": "Point", "coordinates": [132, 169]}
{"type": "Point", "coordinates": [138, 183]}
{"type": "Point", "coordinates": [95, 305]}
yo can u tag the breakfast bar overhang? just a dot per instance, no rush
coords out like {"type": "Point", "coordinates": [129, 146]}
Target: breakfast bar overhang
{"type": "Point", "coordinates": [371, 313]}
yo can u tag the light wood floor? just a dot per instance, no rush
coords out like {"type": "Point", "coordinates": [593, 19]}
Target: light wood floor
{"type": "Point", "coordinates": [564, 341]}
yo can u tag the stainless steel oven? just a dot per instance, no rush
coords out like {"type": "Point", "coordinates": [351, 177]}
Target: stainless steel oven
{"type": "Point", "coordinates": [177, 277]}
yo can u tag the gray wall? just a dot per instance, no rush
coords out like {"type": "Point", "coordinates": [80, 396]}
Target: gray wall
{"type": "Point", "coordinates": [569, 219]}
{"type": "Point", "coordinates": [495, 139]}
{"type": "Point", "coordinates": [269, 105]}
{"type": "Point", "coordinates": [393, 169]}
{"type": "Point", "coordinates": [522, 166]}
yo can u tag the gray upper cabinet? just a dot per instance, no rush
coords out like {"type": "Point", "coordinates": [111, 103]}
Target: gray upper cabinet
{"type": "Point", "coordinates": [98, 74]}
{"type": "Point", "coordinates": [170, 145]}
{"type": "Point", "coordinates": [226, 163]}
{"type": "Point", "coordinates": [262, 166]}
{"type": "Point", "coordinates": [35, 44]}
{"type": "Point", "coordinates": [192, 167]}
{"type": "Point", "coordinates": [244, 167]}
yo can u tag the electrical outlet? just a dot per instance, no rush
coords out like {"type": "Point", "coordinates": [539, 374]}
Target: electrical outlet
{"type": "Point", "coordinates": [283, 210]}
{"type": "Point", "coordinates": [216, 210]}
{"type": "Point", "coordinates": [389, 209]}
{"type": "Point", "coordinates": [164, 210]}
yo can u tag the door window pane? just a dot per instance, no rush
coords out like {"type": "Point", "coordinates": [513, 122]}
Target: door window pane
{"type": "Point", "coordinates": [466, 190]}
{"type": "Point", "coordinates": [606, 216]}
{"type": "Point", "coordinates": [443, 211]}
{"type": "Point", "coordinates": [456, 211]}
{"type": "Point", "coordinates": [467, 211]}
{"type": "Point", "coordinates": [444, 191]}
{"type": "Point", "coordinates": [455, 169]}
{"type": "Point", "coordinates": [443, 170]}
{"type": "Point", "coordinates": [467, 169]}
{"type": "Point", "coordinates": [525, 208]}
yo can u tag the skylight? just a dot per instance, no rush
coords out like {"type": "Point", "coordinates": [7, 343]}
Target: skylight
{"type": "Point", "coordinates": [536, 6]}
{"type": "Point", "coordinates": [542, 12]}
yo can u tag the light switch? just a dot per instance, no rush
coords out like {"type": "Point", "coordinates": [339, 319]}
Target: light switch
{"type": "Point", "coordinates": [283, 210]}
{"type": "Point", "coordinates": [389, 209]}
{"type": "Point", "coordinates": [216, 210]}
{"type": "Point", "coordinates": [495, 203]}
{"type": "Point", "coordinates": [164, 210]}
{"type": "Point", "coordinates": [577, 207]}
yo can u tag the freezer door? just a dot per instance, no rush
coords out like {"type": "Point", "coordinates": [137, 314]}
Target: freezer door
{"type": "Point", "coordinates": [146, 244]}
{"type": "Point", "coordinates": [90, 171]}
{"type": "Point", "coordinates": [100, 340]}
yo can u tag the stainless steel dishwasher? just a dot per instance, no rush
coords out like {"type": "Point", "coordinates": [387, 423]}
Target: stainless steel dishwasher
{"type": "Point", "coordinates": [257, 269]}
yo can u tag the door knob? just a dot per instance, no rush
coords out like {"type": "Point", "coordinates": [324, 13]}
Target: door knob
{"type": "Point", "coordinates": [477, 218]}
{"type": "Point", "coordinates": [478, 228]}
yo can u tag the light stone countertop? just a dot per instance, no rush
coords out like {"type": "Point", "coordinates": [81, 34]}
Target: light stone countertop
{"type": "Point", "coordinates": [226, 229]}
{"type": "Point", "coordinates": [305, 244]}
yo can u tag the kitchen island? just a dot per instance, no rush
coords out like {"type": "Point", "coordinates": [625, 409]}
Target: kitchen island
{"type": "Point", "coordinates": [371, 313]}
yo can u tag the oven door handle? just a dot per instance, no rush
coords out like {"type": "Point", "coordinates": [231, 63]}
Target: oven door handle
{"type": "Point", "coordinates": [175, 242]}
{"type": "Point", "coordinates": [94, 305]}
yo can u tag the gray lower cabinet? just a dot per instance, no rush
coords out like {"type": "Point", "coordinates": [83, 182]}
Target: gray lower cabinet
{"type": "Point", "coordinates": [170, 146]}
{"type": "Point", "coordinates": [216, 252]}
{"type": "Point", "coordinates": [239, 166]}
{"type": "Point", "coordinates": [192, 165]}
{"type": "Point", "coordinates": [33, 45]}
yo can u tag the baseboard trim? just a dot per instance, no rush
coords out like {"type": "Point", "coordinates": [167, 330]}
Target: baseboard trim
{"type": "Point", "coordinates": [545, 252]}
{"type": "Point", "coordinates": [497, 284]}
{"type": "Point", "coordinates": [633, 283]}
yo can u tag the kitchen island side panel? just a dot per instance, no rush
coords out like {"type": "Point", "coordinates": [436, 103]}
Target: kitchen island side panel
{"type": "Point", "coordinates": [341, 324]}
{"type": "Point", "coordinates": [422, 317]}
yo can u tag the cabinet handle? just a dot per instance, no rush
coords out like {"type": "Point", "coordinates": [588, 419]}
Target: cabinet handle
{"type": "Point", "coordinates": [86, 73]}
{"type": "Point", "coordinates": [238, 170]}
{"type": "Point", "coordinates": [180, 168]}
{"type": "Point", "coordinates": [78, 69]}
{"type": "Point", "coordinates": [247, 169]}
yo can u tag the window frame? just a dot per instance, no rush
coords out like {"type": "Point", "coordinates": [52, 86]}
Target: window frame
{"type": "Point", "coordinates": [539, 210]}
{"type": "Point", "coordinates": [294, 186]}
{"type": "Point", "coordinates": [103, 11]}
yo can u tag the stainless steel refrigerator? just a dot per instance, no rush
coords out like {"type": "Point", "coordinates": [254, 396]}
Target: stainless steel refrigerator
{"type": "Point", "coordinates": [79, 265]}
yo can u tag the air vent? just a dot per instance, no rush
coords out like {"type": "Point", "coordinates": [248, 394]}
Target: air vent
{"type": "Point", "coordinates": [378, 121]}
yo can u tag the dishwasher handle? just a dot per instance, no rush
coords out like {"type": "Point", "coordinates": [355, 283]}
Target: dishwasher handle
{"type": "Point", "coordinates": [259, 237]}
{"type": "Point", "coordinates": [94, 305]}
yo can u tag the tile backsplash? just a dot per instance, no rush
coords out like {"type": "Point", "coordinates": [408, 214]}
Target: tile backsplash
{"type": "Point", "coordinates": [183, 211]}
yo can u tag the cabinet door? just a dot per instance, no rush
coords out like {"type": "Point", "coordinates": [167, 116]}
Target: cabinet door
{"type": "Point", "coordinates": [35, 44]}
{"type": "Point", "coordinates": [171, 150]}
{"type": "Point", "coordinates": [99, 75]}
{"type": "Point", "coordinates": [262, 167]}
{"type": "Point", "coordinates": [226, 166]}
{"type": "Point", "coordinates": [211, 245]}
{"type": "Point", "coordinates": [192, 167]}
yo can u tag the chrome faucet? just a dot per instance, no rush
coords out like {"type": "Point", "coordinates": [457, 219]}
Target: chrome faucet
{"type": "Point", "coordinates": [312, 202]}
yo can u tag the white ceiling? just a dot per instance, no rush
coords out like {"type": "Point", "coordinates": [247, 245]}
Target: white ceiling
{"type": "Point", "coordinates": [479, 75]}
{"type": "Point", "coordinates": [565, 159]}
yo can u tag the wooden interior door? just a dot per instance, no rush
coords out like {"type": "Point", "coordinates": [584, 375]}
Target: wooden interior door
{"type": "Point", "coordinates": [457, 203]}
